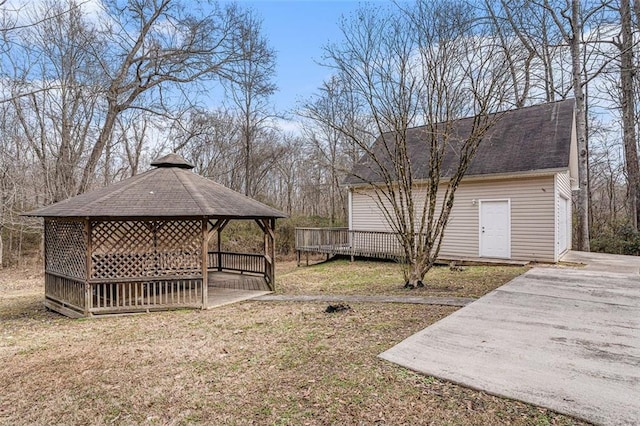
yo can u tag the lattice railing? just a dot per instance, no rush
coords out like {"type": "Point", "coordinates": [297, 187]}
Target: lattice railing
{"type": "Point", "coordinates": [130, 249]}
{"type": "Point", "coordinates": [65, 245]}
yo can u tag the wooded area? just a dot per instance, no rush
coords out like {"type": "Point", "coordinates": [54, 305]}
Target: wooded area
{"type": "Point", "coordinates": [91, 91]}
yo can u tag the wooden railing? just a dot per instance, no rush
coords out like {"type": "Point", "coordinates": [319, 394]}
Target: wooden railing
{"type": "Point", "coordinates": [65, 291]}
{"type": "Point", "coordinates": [341, 241]}
{"type": "Point", "coordinates": [322, 238]}
{"type": "Point", "coordinates": [141, 296]}
{"type": "Point", "coordinates": [239, 262]}
{"type": "Point", "coordinates": [126, 295]}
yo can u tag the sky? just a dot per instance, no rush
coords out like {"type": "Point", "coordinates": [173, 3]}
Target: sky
{"type": "Point", "coordinates": [297, 30]}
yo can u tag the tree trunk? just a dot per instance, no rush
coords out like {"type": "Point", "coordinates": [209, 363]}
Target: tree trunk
{"type": "Point", "coordinates": [628, 112]}
{"type": "Point", "coordinates": [582, 205]}
{"type": "Point", "coordinates": [1, 253]}
{"type": "Point", "coordinates": [97, 150]}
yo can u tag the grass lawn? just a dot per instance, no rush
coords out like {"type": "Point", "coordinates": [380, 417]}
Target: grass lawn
{"type": "Point", "coordinates": [385, 278]}
{"type": "Point", "coordinates": [272, 363]}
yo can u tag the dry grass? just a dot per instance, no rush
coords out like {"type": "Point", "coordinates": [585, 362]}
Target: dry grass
{"type": "Point", "coordinates": [249, 363]}
{"type": "Point", "coordinates": [385, 278]}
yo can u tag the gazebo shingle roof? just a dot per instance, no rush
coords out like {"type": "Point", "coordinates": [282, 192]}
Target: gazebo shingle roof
{"type": "Point", "coordinates": [170, 189]}
{"type": "Point", "coordinates": [533, 138]}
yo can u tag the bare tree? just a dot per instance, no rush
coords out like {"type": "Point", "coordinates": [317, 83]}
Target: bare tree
{"type": "Point", "coordinates": [568, 17]}
{"type": "Point", "coordinates": [625, 45]}
{"type": "Point", "coordinates": [288, 170]}
{"type": "Point", "coordinates": [73, 79]}
{"type": "Point", "coordinates": [210, 139]}
{"type": "Point", "coordinates": [607, 181]}
{"type": "Point", "coordinates": [160, 44]}
{"type": "Point", "coordinates": [533, 47]}
{"type": "Point", "coordinates": [425, 65]}
{"type": "Point", "coordinates": [331, 110]}
{"type": "Point", "coordinates": [53, 93]}
{"type": "Point", "coordinates": [249, 89]}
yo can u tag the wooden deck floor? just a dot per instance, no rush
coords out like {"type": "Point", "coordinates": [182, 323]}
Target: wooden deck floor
{"type": "Point", "coordinates": [228, 287]}
{"type": "Point", "coordinates": [237, 281]}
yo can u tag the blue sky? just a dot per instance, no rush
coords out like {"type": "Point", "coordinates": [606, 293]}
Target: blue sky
{"type": "Point", "coordinates": [298, 30]}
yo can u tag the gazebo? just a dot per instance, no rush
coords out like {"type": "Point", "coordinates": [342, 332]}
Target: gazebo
{"type": "Point", "coordinates": [142, 244]}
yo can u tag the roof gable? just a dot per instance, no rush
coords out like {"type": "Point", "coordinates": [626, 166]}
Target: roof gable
{"type": "Point", "coordinates": [523, 140]}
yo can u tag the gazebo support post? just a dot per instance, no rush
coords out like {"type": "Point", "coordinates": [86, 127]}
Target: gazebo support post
{"type": "Point", "coordinates": [88, 295]}
{"type": "Point", "coordinates": [219, 248]}
{"type": "Point", "coordinates": [269, 250]}
{"type": "Point", "coordinates": [272, 245]}
{"type": "Point", "coordinates": [205, 269]}
{"type": "Point", "coordinates": [218, 227]}
{"type": "Point", "coordinates": [268, 226]}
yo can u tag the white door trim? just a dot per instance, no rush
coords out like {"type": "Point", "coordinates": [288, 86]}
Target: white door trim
{"type": "Point", "coordinates": [508, 201]}
{"type": "Point", "coordinates": [350, 207]}
{"type": "Point", "coordinates": [562, 199]}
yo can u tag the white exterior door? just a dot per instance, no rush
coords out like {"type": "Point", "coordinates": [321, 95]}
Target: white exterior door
{"type": "Point", "coordinates": [495, 229]}
{"type": "Point", "coordinates": [563, 225]}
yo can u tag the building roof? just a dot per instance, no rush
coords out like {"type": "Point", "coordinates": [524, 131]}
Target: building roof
{"type": "Point", "coordinates": [524, 140]}
{"type": "Point", "coordinates": [170, 189]}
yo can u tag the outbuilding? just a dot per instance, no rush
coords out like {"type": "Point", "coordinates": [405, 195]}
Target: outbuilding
{"type": "Point", "coordinates": [514, 202]}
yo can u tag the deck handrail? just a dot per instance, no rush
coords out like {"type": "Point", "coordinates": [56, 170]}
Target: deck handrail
{"type": "Point", "coordinates": [240, 262]}
{"type": "Point", "coordinates": [336, 241]}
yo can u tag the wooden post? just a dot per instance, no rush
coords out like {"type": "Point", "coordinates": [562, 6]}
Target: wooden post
{"type": "Point", "coordinates": [205, 249]}
{"type": "Point", "coordinates": [272, 251]}
{"type": "Point", "coordinates": [351, 245]}
{"type": "Point", "coordinates": [219, 248]}
{"type": "Point", "coordinates": [44, 245]}
{"type": "Point", "coordinates": [268, 226]}
{"type": "Point", "coordinates": [267, 260]}
{"type": "Point", "coordinates": [88, 295]}
{"type": "Point", "coordinates": [219, 226]}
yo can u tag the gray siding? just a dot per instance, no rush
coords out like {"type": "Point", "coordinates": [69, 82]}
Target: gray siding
{"type": "Point", "coordinates": [533, 216]}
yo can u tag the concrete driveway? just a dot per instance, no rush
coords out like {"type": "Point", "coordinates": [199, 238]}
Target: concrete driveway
{"type": "Point", "coordinates": [563, 338]}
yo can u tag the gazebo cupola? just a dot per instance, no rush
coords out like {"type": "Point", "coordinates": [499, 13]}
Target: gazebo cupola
{"type": "Point", "coordinates": [142, 244]}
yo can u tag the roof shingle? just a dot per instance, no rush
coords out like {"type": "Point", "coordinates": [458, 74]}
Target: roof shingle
{"type": "Point", "coordinates": [168, 190]}
{"type": "Point", "coordinates": [528, 139]}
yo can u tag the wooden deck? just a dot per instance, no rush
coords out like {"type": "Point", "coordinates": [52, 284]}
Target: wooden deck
{"type": "Point", "coordinates": [342, 241]}
{"type": "Point", "coordinates": [370, 244]}
{"type": "Point", "coordinates": [237, 281]}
